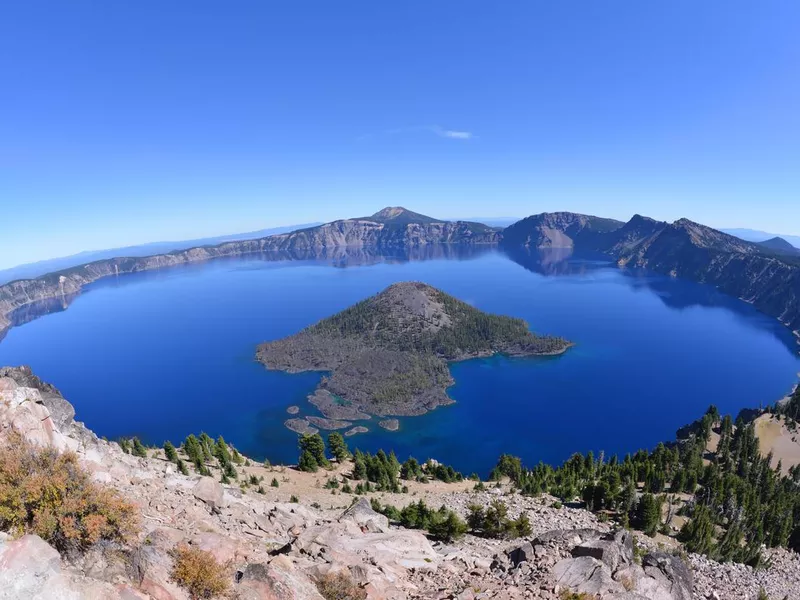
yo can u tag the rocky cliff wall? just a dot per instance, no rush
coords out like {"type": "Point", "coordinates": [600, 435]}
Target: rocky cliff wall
{"type": "Point", "coordinates": [351, 233]}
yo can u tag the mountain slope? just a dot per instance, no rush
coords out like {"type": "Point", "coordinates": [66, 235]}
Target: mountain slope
{"type": "Point", "coordinates": [388, 354]}
{"type": "Point", "coordinates": [753, 235]}
{"type": "Point", "coordinates": [397, 215]}
{"type": "Point", "coordinates": [780, 245]}
{"type": "Point", "coordinates": [760, 274]}
{"type": "Point", "coordinates": [556, 230]}
{"type": "Point", "coordinates": [742, 269]}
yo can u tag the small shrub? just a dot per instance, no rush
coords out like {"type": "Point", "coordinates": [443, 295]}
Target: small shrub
{"type": "Point", "coordinates": [568, 595]}
{"type": "Point", "coordinates": [557, 505]}
{"type": "Point", "coordinates": [340, 586]}
{"type": "Point", "coordinates": [274, 482]}
{"type": "Point", "coordinates": [138, 449]}
{"type": "Point", "coordinates": [51, 495]}
{"type": "Point", "coordinates": [294, 499]}
{"type": "Point", "coordinates": [199, 573]}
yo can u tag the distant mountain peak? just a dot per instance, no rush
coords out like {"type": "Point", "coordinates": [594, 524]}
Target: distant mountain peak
{"type": "Point", "coordinates": [779, 244]}
{"type": "Point", "coordinates": [400, 215]}
{"type": "Point", "coordinates": [390, 212]}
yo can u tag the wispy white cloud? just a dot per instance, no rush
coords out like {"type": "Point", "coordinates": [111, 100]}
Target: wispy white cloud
{"type": "Point", "coordinates": [438, 130]}
{"type": "Point", "coordinates": [453, 134]}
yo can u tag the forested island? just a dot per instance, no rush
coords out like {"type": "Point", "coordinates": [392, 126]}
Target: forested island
{"type": "Point", "coordinates": [388, 354]}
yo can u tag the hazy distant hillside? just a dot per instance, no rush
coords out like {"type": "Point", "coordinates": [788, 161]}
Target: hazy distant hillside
{"type": "Point", "coordinates": [754, 235]}
{"type": "Point", "coordinates": [780, 245]}
{"type": "Point", "coordinates": [37, 269]}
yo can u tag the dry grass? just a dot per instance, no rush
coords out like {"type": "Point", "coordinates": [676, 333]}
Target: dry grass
{"type": "Point", "coordinates": [340, 586]}
{"type": "Point", "coordinates": [49, 494]}
{"type": "Point", "coordinates": [199, 573]}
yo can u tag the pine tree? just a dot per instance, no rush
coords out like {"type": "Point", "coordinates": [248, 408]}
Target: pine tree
{"type": "Point", "coordinates": [307, 462]}
{"type": "Point", "coordinates": [139, 449]}
{"type": "Point", "coordinates": [449, 528]}
{"type": "Point", "coordinates": [315, 446]}
{"type": "Point", "coordinates": [698, 533]}
{"type": "Point", "coordinates": [359, 466]}
{"type": "Point", "coordinates": [522, 525]}
{"type": "Point", "coordinates": [649, 514]}
{"type": "Point", "coordinates": [338, 447]}
{"type": "Point", "coordinates": [170, 452]}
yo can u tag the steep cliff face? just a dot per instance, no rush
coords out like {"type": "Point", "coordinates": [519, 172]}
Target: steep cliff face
{"type": "Point", "coordinates": [742, 269]}
{"type": "Point", "coordinates": [557, 230]}
{"type": "Point", "coordinates": [394, 229]}
{"type": "Point", "coordinates": [758, 274]}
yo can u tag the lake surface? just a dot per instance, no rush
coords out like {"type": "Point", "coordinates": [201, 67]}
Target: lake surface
{"type": "Point", "coordinates": [164, 354]}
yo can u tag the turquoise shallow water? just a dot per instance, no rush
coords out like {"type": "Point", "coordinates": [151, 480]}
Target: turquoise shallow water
{"type": "Point", "coordinates": [164, 354]}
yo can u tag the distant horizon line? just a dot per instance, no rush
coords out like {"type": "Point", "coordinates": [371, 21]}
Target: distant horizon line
{"type": "Point", "coordinates": [294, 226]}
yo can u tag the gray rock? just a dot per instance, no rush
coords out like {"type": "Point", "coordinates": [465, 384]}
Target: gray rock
{"type": "Point", "coordinates": [624, 539]}
{"type": "Point", "coordinates": [362, 514]}
{"type": "Point", "coordinates": [61, 412]}
{"type": "Point", "coordinates": [606, 551]}
{"type": "Point", "coordinates": [671, 572]}
{"type": "Point", "coordinates": [520, 554]}
{"type": "Point", "coordinates": [211, 492]}
{"type": "Point", "coordinates": [28, 566]}
{"type": "Point", "coordinates": [586, 575]}
{"type": "Point", "coordinates": [562, 535]}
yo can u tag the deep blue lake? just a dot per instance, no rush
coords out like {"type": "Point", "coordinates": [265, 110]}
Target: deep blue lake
{"type": "Point", "coordinates": [164, 354]}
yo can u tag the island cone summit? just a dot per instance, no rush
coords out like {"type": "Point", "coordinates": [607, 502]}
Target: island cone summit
{"type": "Point", "coordinates": [388, 354]}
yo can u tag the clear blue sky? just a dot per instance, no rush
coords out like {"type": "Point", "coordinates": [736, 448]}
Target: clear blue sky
{"type": "Point", "coordinates": [133, 121]}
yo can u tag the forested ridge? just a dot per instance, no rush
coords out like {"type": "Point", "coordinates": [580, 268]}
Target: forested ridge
{"type": "Point", "coordinates": [452, 331]}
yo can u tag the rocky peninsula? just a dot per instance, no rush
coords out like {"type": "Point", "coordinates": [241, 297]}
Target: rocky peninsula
{"type": "Point", "coordinates": [388, 354]}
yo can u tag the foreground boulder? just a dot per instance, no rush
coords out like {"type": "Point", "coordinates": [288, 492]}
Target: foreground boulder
{"type": "Point", "coordinates": [605, 567]}
{"type": "Point", "coordinates": [211, 492]}
{"type": "Point", "coordinates": [31, 568]}
{"type": "Point", "coordinates": [366, 517]}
